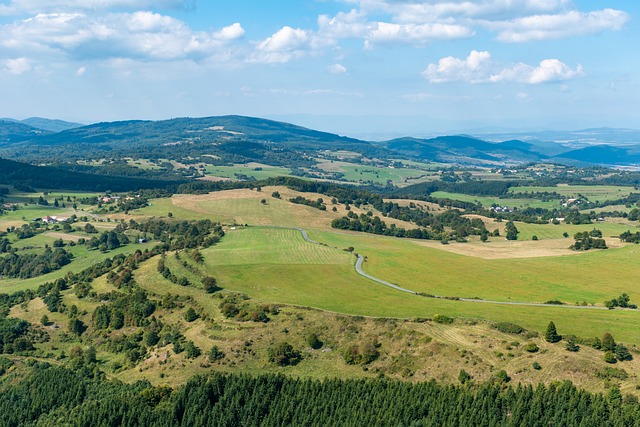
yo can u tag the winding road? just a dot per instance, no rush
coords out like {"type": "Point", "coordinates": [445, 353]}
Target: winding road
{"type": "Point", "coordinates": [361, 272]}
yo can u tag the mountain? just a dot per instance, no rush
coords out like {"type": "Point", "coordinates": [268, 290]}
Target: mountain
{"type": "Point", "coordinates": [48, 125]}
{"type": "Point", "coordinates": [603, 154]}
{"type": "Point", "coordinates": [465, 149]}
{"type": "Point", "coordinates": [233, 138]}
{"type": "Point", "coordinates": [16, 173]}
{"type": "Point", "coordinates": [240, 139]}
{"type": "Point", "coordinates": [12, 132]}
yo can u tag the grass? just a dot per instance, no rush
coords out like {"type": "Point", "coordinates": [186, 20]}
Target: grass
{"type": "Point", "coordinates": [254, 170]}
{"type": "Point", "coordinates": [378, 175]}
{"type": "Point", "coordinates": [596, 193]}
{"type": "Point", "coordinates": [488, 201]}
{"type": "Point", "coordinates": [551, 231]}
{"type": "Point", "coordinates": [83, 258]}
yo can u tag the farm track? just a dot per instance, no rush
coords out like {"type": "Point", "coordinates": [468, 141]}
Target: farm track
{"type": "Point", "coordinates": [361, 272]}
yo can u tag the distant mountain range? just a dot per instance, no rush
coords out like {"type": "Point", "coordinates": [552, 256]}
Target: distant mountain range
{"type": "Point", "coordinates": [241, 139]}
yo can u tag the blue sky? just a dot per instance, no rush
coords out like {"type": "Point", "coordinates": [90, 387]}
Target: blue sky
{"type": "Point", "coordinates": [357, 67]}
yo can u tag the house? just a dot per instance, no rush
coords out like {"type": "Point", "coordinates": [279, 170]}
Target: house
{"type": "Point", "coordinates": [50, 219]}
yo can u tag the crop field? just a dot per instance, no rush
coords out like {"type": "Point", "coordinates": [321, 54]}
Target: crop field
{"type": "Point", "coordinates": [254, 170]}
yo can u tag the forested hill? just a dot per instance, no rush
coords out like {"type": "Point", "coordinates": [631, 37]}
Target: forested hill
{"type": "Point", "coordinates": [52, 396]}
{"type": "Point", "coordinates": [25, 175]}
{"type": "Point", "coordinates": [234, 138]}
{"type": "Point", "coordinates": [12, 132]}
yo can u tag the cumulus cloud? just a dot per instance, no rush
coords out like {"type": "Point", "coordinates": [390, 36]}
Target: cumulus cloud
{"type": "Point", "coordinates": [479, 68]}
{"type": "Point", "coordinates": [139, 35]}
{"type": "Point", "coordinates": [472, 69]}
{"type": "Point", "coordinates": [337, 69]}
{"type": "Point", "coordinates": [284, 45]}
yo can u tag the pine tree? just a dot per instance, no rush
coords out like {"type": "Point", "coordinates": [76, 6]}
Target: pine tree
{"type": "Point", "coordinates": [552, 334]}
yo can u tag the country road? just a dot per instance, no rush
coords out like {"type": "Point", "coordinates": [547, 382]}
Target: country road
{"type": "Point", "coordinates": [361, 272]}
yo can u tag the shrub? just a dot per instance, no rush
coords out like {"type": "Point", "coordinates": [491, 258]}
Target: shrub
{"type": "Point", "coordinates": [441, 318]}
{"type": "Point", "coordinates": [536, 366]}
{"type": "Point", "coordinates": [215, 354]}
{"type": "Point", "coordinates": [464, 376]}
{"type": "Point", "coordinates": [609, 357]}
{"type": "Point", "coordinates": [283, 354]}
{"type": "Point", "coordinates": [314, 341]}
{"type": "Point", "coordinates": [531, 347]}
{"type": "Point", "coordinates": [190, 315]}
{"type": "Point", "coordinates": [509, 328]}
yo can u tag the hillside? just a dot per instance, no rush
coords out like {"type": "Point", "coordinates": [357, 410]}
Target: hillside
{"type": "Point", "coordinates": [25, 175]}
{"type": "Point", "coordinates": [14, 132]}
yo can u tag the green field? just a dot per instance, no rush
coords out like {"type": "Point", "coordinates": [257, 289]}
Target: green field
{"type": "Point", "coordinates": [597, 193]}
{"type": "Point", "coordinates": [254, 170]}
{"type": "Point", "coordinates": [379, 175]}
{"type": "Point", "coordinates": [279, 275]}
{"type": "Point", "coordinates": [84, 258]}
{"type": "Point", "coordinates": [489, 201]}
{"type": "Point", "coordinates": [551, 231]}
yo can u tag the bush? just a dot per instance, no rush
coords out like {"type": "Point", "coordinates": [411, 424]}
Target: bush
{"type": "Point", "coordinates": [314, 341]}
{"type": "Point", "coordinates": [609, 357]}
{"type": "Point", "coordinates": [509, 328]}
{"type": "Point", "coordinates": [191, 350]}
{"type": "Point", "coordinates": [464, 376]}
{"type": "Point", "coordinates": [190, 315]}
{"type": "Point", "coordinates": [502, 376]}
{"type": "Point", "coordinates": [283, 354]}
{"type": "Point", "coordinates": [215, 354]}
{"type": "Point", "coordinates": [362, 354]}
{"type": "Point", "coordinates": [536, 366]}
{"type": "Point", "coordinates": [441, 318]}
{"type": "Point", "coordinates": [531, 347]}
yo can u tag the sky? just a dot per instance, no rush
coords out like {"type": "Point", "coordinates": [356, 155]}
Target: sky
{"type": "Point", "coordinates": [355, 67]}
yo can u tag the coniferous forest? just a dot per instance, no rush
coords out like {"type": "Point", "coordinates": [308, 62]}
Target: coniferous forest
{"type": "Point", "coordinates": [54, 396]}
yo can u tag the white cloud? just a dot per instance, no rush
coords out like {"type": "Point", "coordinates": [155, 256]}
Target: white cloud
{"type": "Point", "coordinates": [284, 45]}
{"type": "Point", "coordinates": [471, 69]}
{"type": "Point", "coordinates": [512, 20]}
{"type": "Point", "coordinates": [549, 70]}
{"type": "Point", "coordinates": [18, 65]}
{"type": "Point", "coordinates": [420, 96]}
{"type": "Point", "coordinates": [16, 7]}
{"type": "Point", "coordinates": [386, 33]}
{"type": "Point", "coordinates": [337, 69]}
{"type": "Point", "coordinates": [143, 36]}
{"type": "Point", "coordinates": [343, 25]}
{"type": "Point", "coordinates": [81, 71]}
{"type": "Point", "coordinates": [479, 68]}
{"type": "Point", "coordinates": [545, 27]}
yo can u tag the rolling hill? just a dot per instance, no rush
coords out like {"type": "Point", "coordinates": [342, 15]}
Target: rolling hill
{"type": "Point", "coordinates": [22, 174]}
{"type": "Point", "coordinates": [239, 139]}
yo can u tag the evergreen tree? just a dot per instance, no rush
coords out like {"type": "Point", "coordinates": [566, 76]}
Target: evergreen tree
{"type": "Point", "coordinates": [552, 334]}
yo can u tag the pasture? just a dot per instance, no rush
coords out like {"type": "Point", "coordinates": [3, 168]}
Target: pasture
{"type": "Point", "coordinates": [253, 170]}
{"type": "Point", "coordinates": [595, 193]}
{"type": "Point", "coordinates": [378, 175]}
{"type": "Point", "coordinates": [488, 201]}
